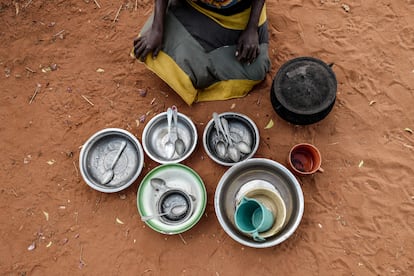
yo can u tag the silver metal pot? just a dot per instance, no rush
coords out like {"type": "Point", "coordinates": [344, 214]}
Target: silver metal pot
{"type": "Point", "coordinates": [244, 173]}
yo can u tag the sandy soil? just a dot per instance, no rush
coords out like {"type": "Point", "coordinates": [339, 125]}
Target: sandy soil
{"type": "Point", "coordinates": [359, 213]}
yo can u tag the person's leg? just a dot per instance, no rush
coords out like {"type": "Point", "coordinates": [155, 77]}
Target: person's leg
{"type": "Point", "coordinates": [197, 59]}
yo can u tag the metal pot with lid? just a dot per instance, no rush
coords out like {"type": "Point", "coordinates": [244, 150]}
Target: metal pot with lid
{"type": "Point", "coordinates": [304, 90]}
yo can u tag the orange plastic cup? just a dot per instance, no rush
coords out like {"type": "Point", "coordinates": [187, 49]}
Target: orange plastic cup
{"type": "Point", "coordinates": [305, 159]}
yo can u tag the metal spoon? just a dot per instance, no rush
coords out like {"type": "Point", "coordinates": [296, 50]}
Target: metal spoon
{"type": "Point", "coordinates": [169, 211]}
{"type": "Point", "coordinates": [109, 174]}
{"type": "Point", "coordinates": [158, 184]}
{"type": "Point", "coordinates": [233, 152]}
{"type": "Point", "coordinates": [240, 144]}
{"type": "Point", "coordinates": [179, 143]}
{"type": "Point", "coordinates": [243, 147]}
{"type": "Point", "coordinates": [220, 145]}
{"type": "Point", "coordinates": [169, 146]}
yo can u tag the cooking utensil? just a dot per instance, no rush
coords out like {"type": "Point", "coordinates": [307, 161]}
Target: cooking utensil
{"type": "Point", "coordinates": [158, 184]}
{"type": "Point", "coordinates": [169, 211]}
{"type": "Point", "coordinates": [181, 182]}
{"type": "Point", "coordinates": [155, 133]}
{"type": "Point", "coordinates": [179, 143]}
{"type": "Point", "coordinates": [241, 128]}
{"type": "Point", "coordinates": [109, 174]}
{"type": "Point", "coordinates": [242, 146]}
{"type": "Point", "coordinates": [220, 147]}
{"type": "Point", "coordinates": [232, 151]}
{"type": "Point", "coordinates": [304, 90]}
{"type": "Point", "coordinates": [275, 174]}
{"type": "Point", "coordinates": [169, 145]}
{"type": "Point", "coordinates": [98, 153]}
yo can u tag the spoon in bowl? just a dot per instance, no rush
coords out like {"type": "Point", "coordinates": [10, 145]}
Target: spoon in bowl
{"type": "Point", "coordinates": [167, 212]}
{"type": "Point", "coordinates": [220, 145]}
{"type": "Point", "coordinates": [109, 173]}
{"type": "Point", "coordinates": [241, 145]}
{"type": "Point", "coordinates": [179, 143]}
{"type": "Point", "coordinates": [169, 146]}
{"type": "Point", "coordinates": [158, 184]}
{"type": "Point", "coordinates": [233, 152]}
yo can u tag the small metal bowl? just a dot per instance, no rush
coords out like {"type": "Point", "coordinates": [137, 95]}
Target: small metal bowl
{"type": "Point", "coordinates": [155, 136]}
{"type": "Point", "coordinates": [231, 183]}
{"type": "Point", "coordinates": [175, 197]}
{"type": "Point", "coordinates": [97, 156]}
{"type": "Point", "coordinates": [241, 128]}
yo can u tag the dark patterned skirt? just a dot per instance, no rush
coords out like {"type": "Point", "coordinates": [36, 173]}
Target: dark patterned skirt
{"type": "Point", "coordinates": [198, 56]}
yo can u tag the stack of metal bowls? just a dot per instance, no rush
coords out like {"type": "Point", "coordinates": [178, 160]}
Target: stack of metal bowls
{"type": "Point", "coordinates": [253, 176]}
{"type": "Point", "coordinates": [171, 198]}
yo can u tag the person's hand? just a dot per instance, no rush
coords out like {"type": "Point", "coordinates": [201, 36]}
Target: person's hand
{"type": "Point", "coordinates": [150, 41]}
{"type": "Point", "coordinates": [248, 46]}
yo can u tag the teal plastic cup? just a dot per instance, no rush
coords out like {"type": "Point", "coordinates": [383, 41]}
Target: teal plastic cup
{"type": "Point", "coordinates": [252, 217]}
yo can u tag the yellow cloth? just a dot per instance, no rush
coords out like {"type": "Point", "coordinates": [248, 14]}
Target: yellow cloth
{"type": "Point", "coordinates": [164, 66]}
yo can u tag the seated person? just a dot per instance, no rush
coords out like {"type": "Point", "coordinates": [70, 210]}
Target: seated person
{"type": "Point", "coordinates": [206, 50]}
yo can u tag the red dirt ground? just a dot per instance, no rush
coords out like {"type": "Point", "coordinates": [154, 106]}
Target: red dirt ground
{"type": "Point", "coordinates": [359, 213]}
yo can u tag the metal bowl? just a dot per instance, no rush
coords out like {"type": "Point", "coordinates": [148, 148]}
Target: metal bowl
{"type": "Point", "coordinates": [241, 128]}
{"type": "Point", "coordinates": [175, 197]}
{"type": "Point", "coordinates": [230, 184]}
{"type": "Point", "coordinates": [155, 136]}
{"type": "Point", "coordinates": [97, 156]}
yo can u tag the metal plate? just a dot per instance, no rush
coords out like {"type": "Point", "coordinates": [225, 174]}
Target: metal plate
{"type": "Point", "coordinates": [176, 177]}
{"type": "Point", "coordinates": [98, 154]}
{"type": "Point", "coordinates": [258, 169]}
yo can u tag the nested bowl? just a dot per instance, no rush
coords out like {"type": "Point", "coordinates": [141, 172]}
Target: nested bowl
{"type": "Point", "coordinates": [179, 184]}
{"type": "Point", "coordinates": [251, 171]}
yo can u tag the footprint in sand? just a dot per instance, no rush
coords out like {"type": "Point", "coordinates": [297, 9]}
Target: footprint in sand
{"type": "Point", "coordinates": [406, 36]}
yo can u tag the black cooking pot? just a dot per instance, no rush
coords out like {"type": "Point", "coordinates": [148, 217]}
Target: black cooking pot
{"type": "Point", "coordinates": [304, 90]}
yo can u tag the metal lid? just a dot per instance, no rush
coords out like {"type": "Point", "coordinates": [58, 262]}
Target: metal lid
{"type": "Point", "coordinates": [305, 86]}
